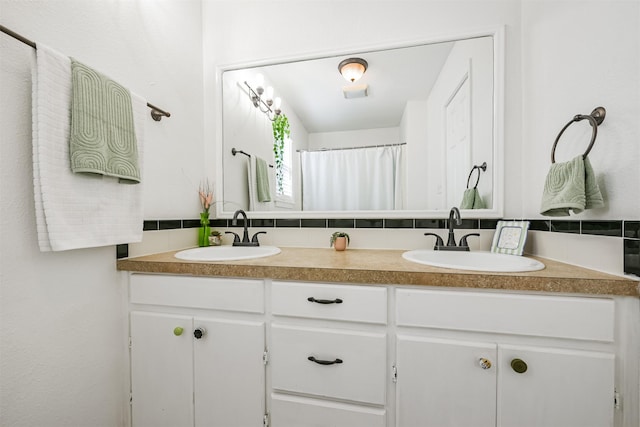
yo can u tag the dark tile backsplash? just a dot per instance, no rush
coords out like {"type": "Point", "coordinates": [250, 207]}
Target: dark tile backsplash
{"type": "Point", "coordinates": [286, 222]}
{"type": "Point", "coordinates": [430, 223]}
{"type": "Point", "coordinates": [566, 226]}
{"type": "Point", "coordinates": [398, 223]}
{"type": "Point", "coordinates": [632, 229]}
{"type": "Point", "coordinates": [488, 224]}
{"type": "Point", "coordinates": [602, 228]}
{"type": "Point", "coordinates": [632, 256]}
{"type": "Point", "coordinates": [169, 224]}
{"type": "Point", "coordinates": [539, 225]}
{"type": "Point", "coordinates": [629, 230]}
{"type": "Point", "coordinates": [149, 225]}
{"type": "Point", "coordinates": [340, 223]}
{"type": "Point", "coordinates": [190, 223]}
{"type": "Point", "coordinates": [369, 223]}
{"type": "Point", "coordinates": [263, 223]}
{"type": "Point", "coordinates": [313, 223]}
{"type": "Point", "coordinates": [122, 251]}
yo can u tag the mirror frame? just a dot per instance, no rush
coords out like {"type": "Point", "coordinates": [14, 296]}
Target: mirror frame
{"type": "Point", "coordinates": [497, 211]}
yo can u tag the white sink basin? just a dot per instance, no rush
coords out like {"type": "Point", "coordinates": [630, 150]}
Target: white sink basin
{"type": "Point", "coordinates": [479, 261]}
{"type": "Point", "coordinates": [227, 253]}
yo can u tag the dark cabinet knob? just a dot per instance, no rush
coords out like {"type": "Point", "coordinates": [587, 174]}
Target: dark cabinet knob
{"type": "Point", "coordinates": [519, 366]}
{"type": "Point", "coordinates": [199, 333]}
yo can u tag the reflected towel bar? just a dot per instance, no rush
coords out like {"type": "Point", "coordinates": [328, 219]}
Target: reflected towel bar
{"type": "Point", "coordinates": [234, 152]}
{"type": "Point", "coordinates": [483, 166]}
{"type": "Point", "coordinates": [156, 113]}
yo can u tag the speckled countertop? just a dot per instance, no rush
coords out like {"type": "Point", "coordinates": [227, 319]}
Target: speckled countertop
{"type": "Point", "coordinates": [368, 266]}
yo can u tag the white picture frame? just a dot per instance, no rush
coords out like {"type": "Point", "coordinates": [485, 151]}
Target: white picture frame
{"type": "Point", "coordinates": [510, 237]}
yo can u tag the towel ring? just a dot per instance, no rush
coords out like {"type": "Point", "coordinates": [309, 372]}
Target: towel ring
{"type": "Point", "coordinates": [595, 119]}
{"type": "Point", "coordinates": [483, 166]}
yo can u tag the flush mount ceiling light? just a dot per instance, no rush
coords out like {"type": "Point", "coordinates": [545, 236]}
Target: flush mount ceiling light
{"type": "Point", "coordinates": [352, 68]}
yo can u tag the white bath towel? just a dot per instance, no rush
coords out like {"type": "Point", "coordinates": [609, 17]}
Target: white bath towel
{"type": "Point", "coordinates": [75, 210]}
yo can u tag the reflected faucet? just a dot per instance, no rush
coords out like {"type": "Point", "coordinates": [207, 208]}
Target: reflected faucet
{"type": "Point", "coordinates": [245, 235]}
{"type": "Point", "coordinates": [454, 219]}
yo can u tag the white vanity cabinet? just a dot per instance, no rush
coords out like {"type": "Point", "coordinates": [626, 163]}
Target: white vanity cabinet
{"type": "Point", "coordinates": [197, 347]}
{"type": "Point", "coordinates": [328, 355]}
{"type": "Point", "coordinates": [490, 374]}
{"type": "Point", "coordinates": [226, 352]}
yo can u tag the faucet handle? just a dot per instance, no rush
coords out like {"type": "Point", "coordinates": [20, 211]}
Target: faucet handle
{"type": "Point", "coordinates": [254, 239]}
{"type": "Point", "coordinates": [463, 239]}
{"type": "Point", "coordinates": [439, 241]}
{"type": "Point", "coordinates": [236, 238]}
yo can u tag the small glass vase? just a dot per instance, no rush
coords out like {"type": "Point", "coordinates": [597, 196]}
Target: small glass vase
{"type": "Point", "coordinates": [205, 230]}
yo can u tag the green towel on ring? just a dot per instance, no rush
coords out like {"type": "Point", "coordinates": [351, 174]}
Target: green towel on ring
{"type": "Point", "coordinates": [262, 180]}
{"type": "Point", "coordinates": [570, 186]}
{"type": "Point", "coordinates": [471, 199]}
{"type": "Point", "coordinates": [103, 139]}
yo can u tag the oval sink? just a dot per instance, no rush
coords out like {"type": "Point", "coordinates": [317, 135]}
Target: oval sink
{"type": "Point", "coordinates": [227, 253]}
{"type": "Point", "coordinates": [479, 261]}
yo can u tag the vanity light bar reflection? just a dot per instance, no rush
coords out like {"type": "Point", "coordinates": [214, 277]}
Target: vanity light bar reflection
{"type": "Point", "coordinates": [264, 104]}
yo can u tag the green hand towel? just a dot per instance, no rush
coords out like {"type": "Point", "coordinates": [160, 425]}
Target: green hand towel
{"type": "Point", "coordinates": [103, 139]}
{"type": "Point", "coordinates": [570, 186]}
{"type": "Point", "coordinates": [262, 180]}
{"type": "Point", "coordinates": [471, 199]}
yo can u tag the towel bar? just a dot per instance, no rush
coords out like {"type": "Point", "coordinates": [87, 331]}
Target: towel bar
{"type": "Point", "coordinates": [156, 113]}
{"type": "Point", "coordinates": [234, 152]}
{"type": "Point", "coordinates": [595, 119]}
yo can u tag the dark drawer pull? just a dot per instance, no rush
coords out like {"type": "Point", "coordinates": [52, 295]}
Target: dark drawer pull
{"type": "Point", "coordinates": [324, 362]}
{"type": "Point", "coordinates": [325, 301]}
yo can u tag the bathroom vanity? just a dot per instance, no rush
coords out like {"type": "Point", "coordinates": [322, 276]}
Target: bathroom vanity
{"type": "Point", "coordinates": [312, 337]}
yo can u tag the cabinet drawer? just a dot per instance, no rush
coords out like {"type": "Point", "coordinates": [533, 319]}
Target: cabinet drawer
{"type": "Point", "coordinates": [548, 316]}
{"type": "Point", "coordinates": [336, 302]}
{"type": "Point", "coordinates": [357, 373]}
{"type": "Point", "coordinates": [198, 292]}
{"type": "Point", "coordinates": [303, 412]}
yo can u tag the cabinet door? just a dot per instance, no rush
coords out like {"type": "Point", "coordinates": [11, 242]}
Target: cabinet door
{"type": "Point", "coordinates": [229, 373]}
{"type": "Point", "coordinates": [445, 383]}
{"type": "Point", "coordinates": [557, 387]}
{"type": "Point", "coordinates": [161, 370]}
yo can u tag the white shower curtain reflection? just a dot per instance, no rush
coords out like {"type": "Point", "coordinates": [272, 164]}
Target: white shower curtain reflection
{"type": "Point", "coordinates": [353, 179]}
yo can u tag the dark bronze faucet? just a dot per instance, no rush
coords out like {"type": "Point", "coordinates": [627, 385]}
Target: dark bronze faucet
{"type": "Point", "coordinates": [245, 235]}
{"type": "Point", "coordinates": [454, 219]}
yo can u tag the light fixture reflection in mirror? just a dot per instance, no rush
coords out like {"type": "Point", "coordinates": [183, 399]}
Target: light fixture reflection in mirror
{"type": "Point", "coordinates": [442, 102]}
{"type": "Point", "coordinates": [267, 105]}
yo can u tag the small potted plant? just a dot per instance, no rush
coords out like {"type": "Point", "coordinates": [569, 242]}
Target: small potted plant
{"type": "Point", "coordinates": [215, 239]}
{"type": "Point", "coordinates": [339, 240]}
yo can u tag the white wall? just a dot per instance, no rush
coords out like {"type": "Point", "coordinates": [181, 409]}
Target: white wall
{"type": "Point", "coordinates": [63, 324]}
{"type": "Point", "coordinates": [570, 70]}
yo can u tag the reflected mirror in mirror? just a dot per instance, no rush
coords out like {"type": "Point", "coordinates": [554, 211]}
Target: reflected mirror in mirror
{"type": "Point", "coordinates": [403, 137]}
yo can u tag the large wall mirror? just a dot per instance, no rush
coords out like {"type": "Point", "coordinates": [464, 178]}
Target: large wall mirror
{"type": "Point", "coordinates": [418, 132]}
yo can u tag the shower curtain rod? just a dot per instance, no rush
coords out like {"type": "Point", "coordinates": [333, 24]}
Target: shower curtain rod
{"type": "Point", "coordinates": [156, 112]}
{"type": "Point", "coordinates": [353, 148]}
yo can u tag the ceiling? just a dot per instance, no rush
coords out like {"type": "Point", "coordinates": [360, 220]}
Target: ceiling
{"type": "Point", "coordinates": [312, 89]}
